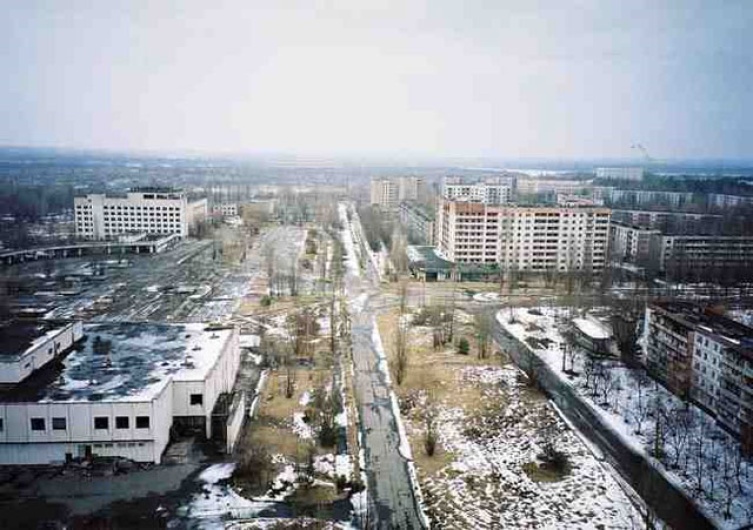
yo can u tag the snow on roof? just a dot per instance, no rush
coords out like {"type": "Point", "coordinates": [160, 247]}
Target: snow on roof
{"type": "Point", "coordinates": [141, 360]}
{"type": "Point", "coordinates": [249, 341]}
{"type": "Point", "coordinates": [17, 338]}
{"type": "Point", "coordinates": [591, 328]}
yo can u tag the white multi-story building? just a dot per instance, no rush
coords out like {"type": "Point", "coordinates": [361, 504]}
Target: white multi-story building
{"type": "Point", "coordinates": [145, 210]}
{"type": "Point", "coordinates": [533, 239]}
{"type": "Point", "coordinates": [660, 218]}
{"type": "Point", "coordinates": [535, 186]}
{"type": "Point", "coordinates": [419, 221]}
{"type": "Point", "coordinates": [497, 190]}
{"type": "Point", "coordinates": [708, 357]}
{"type": "Point", "coordinates": [621, 173]}
{"type": "Point", "coordinates": [672, 199]}
{"type": "Point", "coordinates": [389, 193]}
{"type": "Point", "coordinates": [226, 209]}
{"type": "Point", "coordinates": [385, 194]}
{"type": "Point", "coordinates": [634, 244]}
{"type": "Point", "coordinates": [121, 393]}
{"type": "Point", "coordinates": [721, 200]}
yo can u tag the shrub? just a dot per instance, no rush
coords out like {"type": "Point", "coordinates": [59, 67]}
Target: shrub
{"type": "Point", "coordinates": [266, 301]}
{"type": "Point", "coordinates": [464, 347]}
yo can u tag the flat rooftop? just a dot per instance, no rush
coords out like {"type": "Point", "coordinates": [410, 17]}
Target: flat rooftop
{"type": "Point", "coordinates": [17, 336]}
{"type": "Point", "coordinates": [425, 256]}
{"type": "Point", "coordinates": [125, 361]}
{"type": "Point", "coordinates": [591, 328]}
{"type": "Point", "coordinates": [735, 334]}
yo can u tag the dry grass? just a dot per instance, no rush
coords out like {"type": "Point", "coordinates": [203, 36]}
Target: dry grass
{"type": "Point", "coordinates": [272, 428]}
{"type": "Point", "coordinates": [434, 372]}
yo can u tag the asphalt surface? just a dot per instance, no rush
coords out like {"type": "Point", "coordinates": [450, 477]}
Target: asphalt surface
{"type": "Point", "coordinates": [190, 283]}
{"type": "Point", "coordinates": [392, 504]}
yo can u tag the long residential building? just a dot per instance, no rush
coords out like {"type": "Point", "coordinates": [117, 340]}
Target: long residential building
{"type": "Point", "coordinates": [535, 239]}
{"type": "Point", "coordinates": [661, 218]}
{"type": "Point", "coordinates": [142, 210]}
{"type": "Point", "coordinates": [682, 255]}
{"type": "Point", "coordinates": [621, 173]}
{"type": "Point", "coordinates": [419, 221]}
{"type": "Point", "coordinates": [672, 199]}
{"type": "Point", "coordinates": [706, 357]}
{"type": "Point", "coordinates": [535, 186]}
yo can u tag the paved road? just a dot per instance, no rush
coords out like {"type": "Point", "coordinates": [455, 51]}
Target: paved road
{"type": "Point", "coordinates": [391, 501]}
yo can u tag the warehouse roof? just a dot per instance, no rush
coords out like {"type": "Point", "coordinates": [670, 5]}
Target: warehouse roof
{"type": "Point", "coordinates": [19, 336]}
{"type": "Point", "coordinates": [126, 361]}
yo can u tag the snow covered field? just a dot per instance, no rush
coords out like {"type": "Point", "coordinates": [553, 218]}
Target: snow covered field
{"type": "Point", "coordinates": [486, 483]}
{"type": "Point", "coordinates": [694, 452]}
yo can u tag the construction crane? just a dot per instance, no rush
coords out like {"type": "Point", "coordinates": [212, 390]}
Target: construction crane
{"type": "Point", "coordinates": [643, 151]}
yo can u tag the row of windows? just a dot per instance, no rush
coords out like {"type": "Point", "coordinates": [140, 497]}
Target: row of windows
{"type": "Point", "coordinates": [82, 207]}
{"type": "Point", "coordinates": [100, 423]}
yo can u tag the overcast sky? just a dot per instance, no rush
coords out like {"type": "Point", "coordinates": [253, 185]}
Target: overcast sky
{"type": "Point", "coordinates": [452, 78]}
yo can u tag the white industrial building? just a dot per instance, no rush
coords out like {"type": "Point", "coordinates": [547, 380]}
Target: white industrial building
{"type": "Point", "coordinates": [120, 391]}
{"type": "Point", "coordinates": [142, 210]}
{"type": "Point", "coordinates": [524, 238]}
{"type": "Point", "coordinates": [27, 346]}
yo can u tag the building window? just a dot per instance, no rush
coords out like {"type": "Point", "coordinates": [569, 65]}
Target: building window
{"type": "Point", "coordinates": [197, 399]}
{"type": "Point", "coordinates": [1, 425]}
{"type": "Point", "coordinates": [142, 422]}
{"type": "Point", "coordinates": [37, 424]}
{"type": "Point", "coordinates": [121, 422]}
{"type": "Point", "coordinates": [102, 422]}
{"type": "Point", "coordinates": [59, 424]}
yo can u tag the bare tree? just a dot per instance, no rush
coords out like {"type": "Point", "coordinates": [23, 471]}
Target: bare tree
{"type": "Point", "coordinates": [401, 353]}
{"type": "Point", "coordinates": [698, 445]}
{"type": "Point", "coordinates": [402, 291]}
{"type": "Point", "coordinates": [625, 334]}
{"type": "Point", "coordinates": [483, 334]}
{"type": "Point", "coordinates": [679, 423]}
{"type": "Point", "coordinates": [641, 407]}
{"type": "Point", "coordinates": [431, 436]}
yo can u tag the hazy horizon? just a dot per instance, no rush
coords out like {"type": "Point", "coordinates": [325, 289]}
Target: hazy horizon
{"type": "Point", "coordinates": [423, 80]}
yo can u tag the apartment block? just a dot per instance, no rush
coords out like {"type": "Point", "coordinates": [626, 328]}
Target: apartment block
{"type": "Point", "coordinates": [622, 173]}
{"type": "Point", "coordinates": [226, 209]}
{"type": "Point", "coordinates": [493, 190]}
{"type": "Point", "coordinates": [669, 348]}
{"type": "Point", "coordinates": [721, 200]}
{"type": "Point", "coordinates": [707, 357]}
{"type": "Point", "coordinates": [672, 199]}
{"type": "Point", "coordinates": [533, 239]}
{"type": "Point", "coordinates": [143, 210]}
{"type": "Point", "coordinates": [660, 218]}
{"type": "Point", "coordinates": [687, 254]}
{"type": "Point", "coordinates": [537, 186]}
{"type": "Point", "coordinates": [631, 243]}
{"type": "Point", "coordinates": [419, 220]}
{"type": "Point", "coordinates": [387, 194]}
